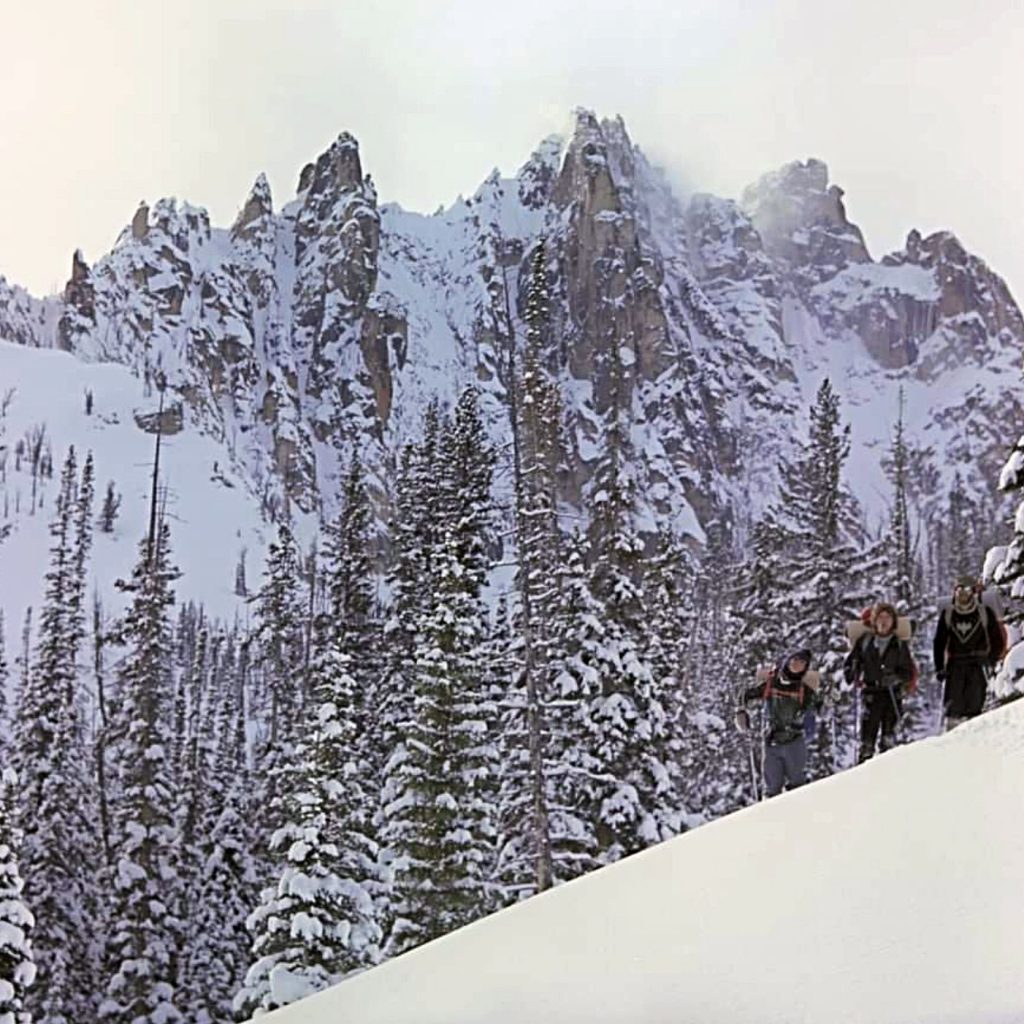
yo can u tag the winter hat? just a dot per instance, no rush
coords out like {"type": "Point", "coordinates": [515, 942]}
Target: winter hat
{"type": "Point", "coordinates": [884, 606]}
{"type": "Point", "coordinates": [804, 655]}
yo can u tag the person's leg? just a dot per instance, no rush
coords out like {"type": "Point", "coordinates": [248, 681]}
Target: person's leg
{"type": "Point", "coordinates": [795, 759]}
{"type": "Point", "coordinates": [869, 724]}
{"type": "Point", "coordinates": [975, 685]}
{"type": "Point", "coordinates": [890, 715]}
{"type": "Point", "coordinates": [954, 695]}
{"type": "Point", "coordinates": [774, 770]}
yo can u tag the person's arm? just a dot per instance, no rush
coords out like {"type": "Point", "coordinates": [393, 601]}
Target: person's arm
{"type": "Point", "coordinates": [939, 646]}
{"type": "Point", "coordinates": [904, 665]}
{"type": "Point", "coordinates": [753, 692]}
{"type": "Point", "coordinates": [852, 667]}
{"type": "Point", "coordinates": [995, 637]}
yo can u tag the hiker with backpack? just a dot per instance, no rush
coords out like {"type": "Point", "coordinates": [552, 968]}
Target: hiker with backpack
{"type": "Point", "coordinates": [880, 662]}
{"type": "Point", "coordinates": [789, 692]}
{"type": "Point", "coordinates": [970, 640]}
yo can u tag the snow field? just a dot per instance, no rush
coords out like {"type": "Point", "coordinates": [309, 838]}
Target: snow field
{"type": "Point", "coordinates": [889, 894]}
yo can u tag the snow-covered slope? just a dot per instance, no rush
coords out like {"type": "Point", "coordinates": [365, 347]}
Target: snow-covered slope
{"type": "Point", "coordinates": [890, 894]}
{"type": "Point", "coordinates": [212, 514]}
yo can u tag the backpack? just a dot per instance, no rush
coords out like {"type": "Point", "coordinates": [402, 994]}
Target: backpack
{"type": "Point", "coordinates": [811, 681]}
{"type": "Point", "coordinates": [857, 629]}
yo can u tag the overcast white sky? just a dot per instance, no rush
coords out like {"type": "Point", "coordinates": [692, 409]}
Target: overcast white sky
{"type": "Point", "coordinates": [914, 104]}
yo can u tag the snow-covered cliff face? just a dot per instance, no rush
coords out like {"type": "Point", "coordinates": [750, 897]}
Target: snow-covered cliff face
{"type": "Point", "coordinates": [295, 333]}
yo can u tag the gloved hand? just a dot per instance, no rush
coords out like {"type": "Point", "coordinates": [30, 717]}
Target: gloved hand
{"type": "Point", "coordinates": [941, 675]}
{"type": "Point", "coordinates": [742, 720]}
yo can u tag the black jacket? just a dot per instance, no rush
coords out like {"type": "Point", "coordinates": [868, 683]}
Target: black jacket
{"type": "Point", "coordinates": [891, 669]}
{"type": "Point", "coordinates": [975, 636]}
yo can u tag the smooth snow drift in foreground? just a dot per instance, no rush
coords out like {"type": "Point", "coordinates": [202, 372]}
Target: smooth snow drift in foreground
{"type": "Point", "coordinates": [891, 893]}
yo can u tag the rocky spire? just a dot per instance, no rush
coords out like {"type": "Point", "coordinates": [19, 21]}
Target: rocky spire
{"type": "Point", "coordinates": [335, 170]}
{"type": "Point", "coordinates": [140, 222]}
{"type": "Point", "coordinates": [802, 220]}
{"type": "Point", "coordinates": [257, 207]}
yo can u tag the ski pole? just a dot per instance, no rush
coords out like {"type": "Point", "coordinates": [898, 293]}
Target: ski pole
{"type": "Point", "coordinates": [764, 746]}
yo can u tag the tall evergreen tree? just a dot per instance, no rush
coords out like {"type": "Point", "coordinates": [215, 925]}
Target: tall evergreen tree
{"type": "Point", "coordinates": [829, 567]}
{"type": "Point", "coordinates": [902, 571]}
{"type": "Point", "coordinates": [280, 658]}
{"type": "Point", "coordinates": [59, 850]}
{"type": "Point", "coordinates": [440, 781]}
{"type": "Point", "coordinates": [536, 414]}
{"type": "Point", "coordinates": [312, 925]}
{"type": "Point", "coordinates": [627, 785]}
{"type": "Point", "coordinates": [17, 965]}
{"type": "Point", "coordinates": [279, 631]}
{"type": "Point", "coordinates": [962, 554]}
{"type": "Point", "coordinates": [343, 672]}
{"type": "Point", "coordinates": [224, 886]}
{"type": "Point", "coordinates": [145, 937]}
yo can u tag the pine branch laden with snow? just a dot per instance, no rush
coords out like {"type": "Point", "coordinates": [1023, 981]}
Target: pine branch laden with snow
{"type": "Point", "coordinates": [17, 963]}
{"type": "Point", "coordinates": [300, 929]}
{"type": "Point", "coordinates": [1005, 567]}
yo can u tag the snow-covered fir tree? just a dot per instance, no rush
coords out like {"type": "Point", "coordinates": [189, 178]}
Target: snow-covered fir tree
{"type": "Point", "coordinates": [900, 553]}
{"type": "Point", "coordinates": [440, 780]}
{"type": "Point", "coordinates": [17, 965]}
{"type": "Point", "coordinates": [344, 669]}
{"type": "Point", "coordinates": [1008, 572]}
{"type": "Point", "coordinates": [714, 661]}
{"type": "Point", "coordinates": [59, 848]}
{"type": "Point", "coordinates": [314, 925]}
{"type": "Point", "coordinates": [623, 743]}
{"type": "Point", "coordinates": [146, 931]}
{"type": "Point", "coordinates": [903, 581]}
{"type": "Point", "coordinates": [5, 675]}
{"type": "Point", "coordinates": [110, 508]}
{"type": "Point", "coordinates": [223, 888]}
{"type": "Point", "coordinates": [828, 569]}
{"type": "Point", "coordinates": [279, 667]}
{"type": "Point", "coordinates": [279, 631]}
{"type": "Point", "coordinates": [535, 410]}
{"type": "Point", "coordinates": [413, 533]}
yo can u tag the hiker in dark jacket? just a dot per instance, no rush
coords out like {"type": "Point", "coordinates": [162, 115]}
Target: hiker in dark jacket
{"type": "Point", "coordinates": [787, 700]}
{"type": "Point", "coordinates": [881, 663]}
{"type": "Point", "coordinates": [969, 642]}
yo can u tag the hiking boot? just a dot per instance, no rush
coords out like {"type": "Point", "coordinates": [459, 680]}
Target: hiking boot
{"type": "Point", "coordinates": [952, 723]}
{"type": "Point", "coordinates": [887, 742]}
{"type": "Point", "coordinates": [865, 754]}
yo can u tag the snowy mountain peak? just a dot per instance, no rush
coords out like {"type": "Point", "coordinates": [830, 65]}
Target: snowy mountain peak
{"type": "Point", "coordinates": [537, 176]}
{"type": "Point", "coordinates": [258, 207]}
{"type": "Point", "coordinates": [337, 169]}
{"type": "Point", "coordinates": [802, 220]}
{"type": "Point", "coordinates": [332, 322]}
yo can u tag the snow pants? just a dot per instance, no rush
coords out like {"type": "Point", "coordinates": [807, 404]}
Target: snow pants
{"type": "Point", "coordinates": [784, 764]}
{"type": "Point", "coordinates": [882, 709]}
{"type": "Point", "coordinates": [966, 684]}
